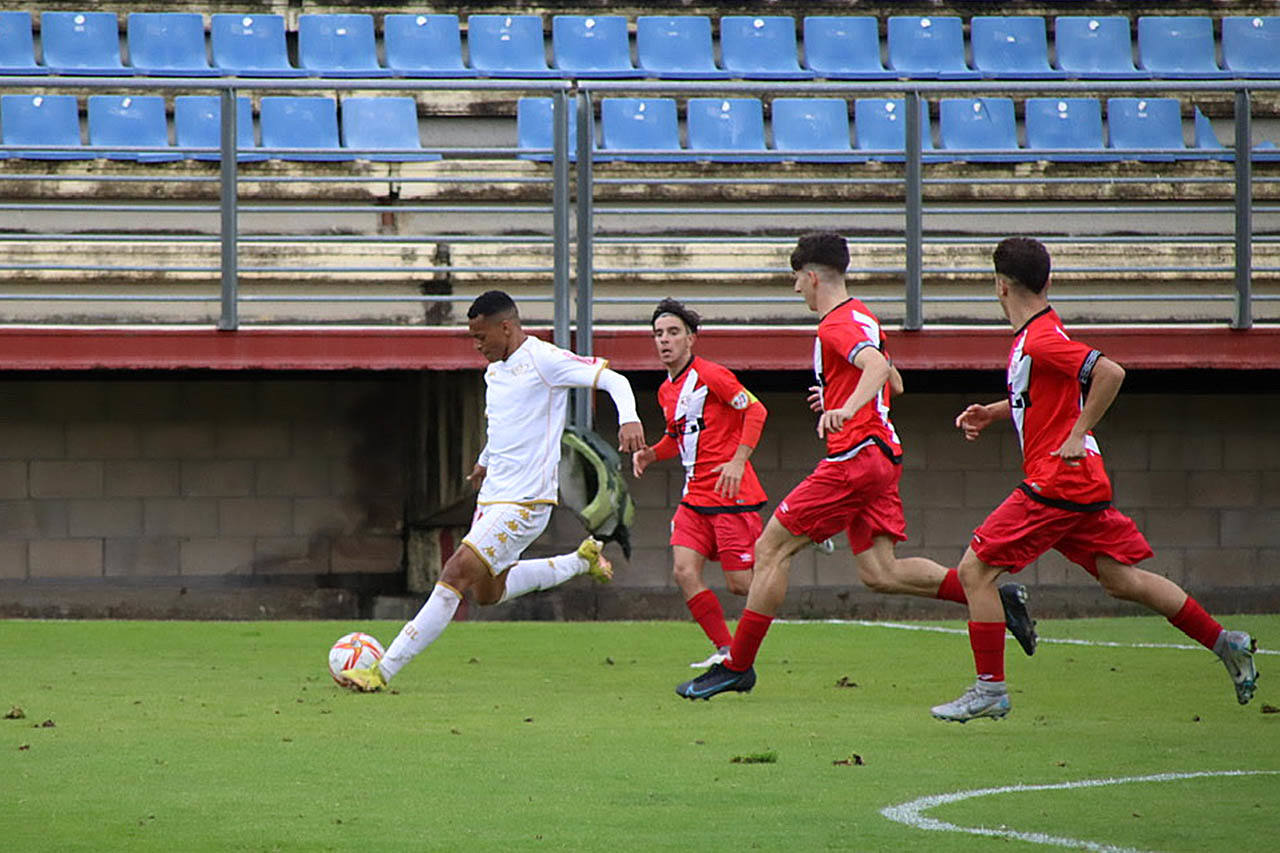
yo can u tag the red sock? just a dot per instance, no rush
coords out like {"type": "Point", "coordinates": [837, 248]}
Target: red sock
{"type": "Point", "coordinates": [706, 611]}
{"type": "Point", "coordinates": [951, 589]}
{"type": "Point", "coordinates": [747, 639]}
{"type": "Point", "coordinates": [987, 641]}
{"type": "Point", "coordinates": [1193, 621]}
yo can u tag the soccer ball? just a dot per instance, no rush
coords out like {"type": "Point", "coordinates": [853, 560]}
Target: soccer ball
{"type": "Point", "coordinates": [356, 650]}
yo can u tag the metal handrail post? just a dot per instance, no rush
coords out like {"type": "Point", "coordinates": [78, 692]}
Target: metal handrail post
{"type": "Point", "coordinates": [585, 188]}
{"type": "Point", "coordinates": [560, 217]}
{"type": "Point", "coordinates": [229, 319]}
{"type": "Point", "coordinates": [1244, 212]}
{"type": "Point", "coordinates": [913, 227]}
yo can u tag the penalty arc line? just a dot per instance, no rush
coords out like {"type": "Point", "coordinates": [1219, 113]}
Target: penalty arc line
{"type": "Point", "coordinates": [938, 629]}
{"type": "Point", "coordinates": [911, 815]}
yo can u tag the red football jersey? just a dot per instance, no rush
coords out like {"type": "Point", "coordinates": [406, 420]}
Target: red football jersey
{"type": "Point", "coordinates": [1048, 373]}
{"type": "Point", "coordinates": [703, 406]}
{"type": "Point", "coordinates": [842, 334]}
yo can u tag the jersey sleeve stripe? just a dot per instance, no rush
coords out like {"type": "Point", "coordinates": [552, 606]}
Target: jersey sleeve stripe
{"type": "Point", "coordinates": [1086, 369]}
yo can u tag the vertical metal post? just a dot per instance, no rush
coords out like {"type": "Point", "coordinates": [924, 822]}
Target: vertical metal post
{"type": "Point", "coordinates": [560, 216]}
{"type": "Point", "coordinates": [913, 318]}
{"type": "Point", "coordinates": [585, 189]}
{"type": "Point", "coordinates": [229, 319]}
{"type": "Point", "coordinates": [1244, 213]}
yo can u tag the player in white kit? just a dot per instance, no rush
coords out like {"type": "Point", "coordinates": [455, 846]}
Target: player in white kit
{"type": "Point", "coordinates": [526, 397]}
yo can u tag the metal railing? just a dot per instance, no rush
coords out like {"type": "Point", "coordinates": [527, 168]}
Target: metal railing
{"type": "Point", "coordinates": [574, 233]}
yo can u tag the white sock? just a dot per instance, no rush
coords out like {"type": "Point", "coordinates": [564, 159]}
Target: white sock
{"type": "Point", "coordinates": [529, 575]}
{"type": "Point", "coordinates": [422, 631]}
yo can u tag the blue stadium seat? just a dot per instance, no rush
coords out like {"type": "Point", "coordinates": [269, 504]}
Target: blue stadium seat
{"type": "Point", "coordinates": [880, 124]}
{"type": "Point", "coordinates": [1250, 46]}
{"type": "Point", "coordinates": [41, 120]}
{"type": "Point", "coordinates": [300, 121]}
{"type": "Point", "coordinates": [1090, 47]}
{"type": "Point", "coordinates": [507, 46]}
{"type": "Point", "coordinates": [762, 47]}
{"type": "Point", "coordinates": [168, 44]}
{"type": "Point", "coordinates": [1178, 46]}
{"type": "Point", "coordinates": [338, 46]}
{"type": "Point", "coordinates": [385, 122]}
{"type": "Point", "coordinates": [197, 123]}
{"type": "Point", "coordinates": [1060, 123]}
{"type": "Point", "coordinates": [1010, 47]}
{"type": "Point", "coordinates": [980, 124]}
{"type": "Point", "coordinates": [534, 121]}
{"type": "Point", "coordinates": [647, 124]}
{"type": "Point", "coordinates": [130, 121]}
{"type": "Point", "coordinates": [1206, 139]}
{"type": "Point", "coordinates": [81, 43]}
{"type": "Point", "coordinates": [424, 46]}
{"type": "Point", "coordinates": [844, 48]}
{"type": "Point", "coordinates": [1138, 123]}
{"type": "Point", "coordinates": [928, 47]}
{"type": "Point", "coordinates": [251, 46]}
{"type": "Point", "coordinates": [676, 47]}
{"type": "Point", "coordinates": [592, 46]}
{"type": "Point", "coordinates": [720, 124]}
{"type": "Point", "coordinates": [17, 47]}
{"type": "Point", "coordinates": [816, 125]}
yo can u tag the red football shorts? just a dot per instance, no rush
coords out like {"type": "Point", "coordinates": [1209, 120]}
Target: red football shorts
{"type": "Point", "coordinates": [857, 495]}
{"type": "Point", "coordinates": [1021, 529]}
{"type": "Point", "coordinates": [729, 537]}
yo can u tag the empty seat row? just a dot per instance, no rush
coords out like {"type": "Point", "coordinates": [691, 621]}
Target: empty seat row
{"type": "Point", "coordinates": [675, 47]}
{"type": "Point", "coordinates": [138, 125]}
{"type": "Point", "coordinates": [818, 129]}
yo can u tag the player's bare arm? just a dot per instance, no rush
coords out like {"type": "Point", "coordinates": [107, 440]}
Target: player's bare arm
{"type": "Point", "coordinates": [731, 472]}
{"type": "Point", "coordinates": [895, 381]}
{"type": "Point", "coordinates": [1104, 385]}
{"type": "Point", "coordinates": [642, 459]}
{"type": "Point", "coordinates": [631, 437]}
{"type": "Point", "coordinates": [815, 398]}
{"type": "Point", "coordinates": [476, 477]}
{"type": "Point", "coordinates": [978, 417]}
{"type": "Point", "coordinates": [875, 373]}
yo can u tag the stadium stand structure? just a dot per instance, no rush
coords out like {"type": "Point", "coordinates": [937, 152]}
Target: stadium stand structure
{"type": "Point", "coordinates": [1061, 155]}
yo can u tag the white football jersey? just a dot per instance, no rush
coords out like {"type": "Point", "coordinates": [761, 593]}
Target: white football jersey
{"type": "Point", "coordinates": [526, 399]}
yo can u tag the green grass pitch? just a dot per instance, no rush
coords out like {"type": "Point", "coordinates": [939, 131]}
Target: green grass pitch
{"type": "Point", "coordinates": [535, 736]}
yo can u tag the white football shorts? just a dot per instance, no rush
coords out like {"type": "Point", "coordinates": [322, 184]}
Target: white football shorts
{"type": "Point", "coordinates": [500, 532]}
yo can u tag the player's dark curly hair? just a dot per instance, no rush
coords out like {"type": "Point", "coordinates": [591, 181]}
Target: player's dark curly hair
{"type": "Point", "coordinates": [490, 303]}
{"type": "Point", "coordinates": [1025, 260]}
{"type": "Point", "coordinates": [677, 308]}
{"type": "Point", "coordinates": [825, 247]}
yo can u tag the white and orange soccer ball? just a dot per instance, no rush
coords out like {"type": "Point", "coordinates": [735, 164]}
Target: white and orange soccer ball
{"type": "Point", "coordinates": [356, 650]}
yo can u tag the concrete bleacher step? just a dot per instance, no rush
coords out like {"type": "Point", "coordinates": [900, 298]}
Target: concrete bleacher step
{"type": "Point", "coordinates": [527, 181]}
{"type": "Point", "coordinates": [688, 271]}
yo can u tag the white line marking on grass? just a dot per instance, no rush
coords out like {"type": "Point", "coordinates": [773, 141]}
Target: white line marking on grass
{"type": "Point", "coordinates": [938, 629]}
{"type": "Point", "coordinates": [911, 813]}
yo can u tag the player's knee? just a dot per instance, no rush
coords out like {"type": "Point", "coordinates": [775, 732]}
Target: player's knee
{"type": "Point", "coordinates": [1119, 582]}
{"type": "Point", "coordinates": [739, 582]}
{"type": "Point", "coordinates": [684, 575]}
{"type": "Point", "coordinates": [974, 574]}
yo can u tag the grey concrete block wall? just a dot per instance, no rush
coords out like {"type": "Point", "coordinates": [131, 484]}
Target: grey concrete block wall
{"type": "Point", "coordinates": [201, 477]}
{"type": "Point", "coordinates": [1199, 473]}
{"type": "Point", "coordinates": [300, 477]}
